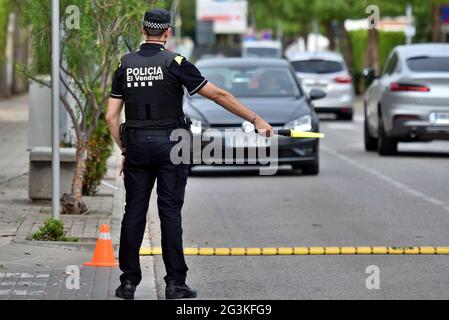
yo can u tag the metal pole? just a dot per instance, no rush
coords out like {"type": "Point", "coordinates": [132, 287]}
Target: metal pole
{"type": "Point", "coordinates": [55, 109]}
{"type": "Point", "coordinates": [409, 14]}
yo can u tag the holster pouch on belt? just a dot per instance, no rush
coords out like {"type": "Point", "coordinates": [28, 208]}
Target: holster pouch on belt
{"type": "Point", "coordinates": [123, 135]}
{"type": "Point", "coordinates": [188, 124]}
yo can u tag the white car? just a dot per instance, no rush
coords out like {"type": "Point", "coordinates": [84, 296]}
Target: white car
{"type": "Point", "coordinates": [410, 100]}
{"type": "Point", "coordinates": [326, 71]}
{"type": "Point", "coordinates": [262, 49]}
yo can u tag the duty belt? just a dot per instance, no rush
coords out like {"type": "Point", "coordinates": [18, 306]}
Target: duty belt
{"type": "Point", "coordinates": [139, 125]}
{"type": "Point", "coordinates": [153, 111]}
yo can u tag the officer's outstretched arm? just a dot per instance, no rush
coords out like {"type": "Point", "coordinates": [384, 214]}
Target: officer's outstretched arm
{"type": "Point", "coordinates": [113, 119]}
{"type": "Point", "coordinates": [230, 103]}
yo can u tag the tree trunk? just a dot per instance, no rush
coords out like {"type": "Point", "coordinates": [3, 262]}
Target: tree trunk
{"type": "Point", "coordinates": [373, 50]}
{"type": "Point", "coordinates": [330, 35]}
{"type": "Point", "coordinates": [304, 32]}
{"type": "Point", "coordinates": [20, 53]}
{"type": "Point", "coordinates": [436, 23]}
{"type": "Point", "coordinates": [5, 91]}
{"type": "Point", "coordinates": [73, 204]}
{"type": "Point", "coordinates": [77, 185]}
{"type": "Point", "coordinates": [347, 48]}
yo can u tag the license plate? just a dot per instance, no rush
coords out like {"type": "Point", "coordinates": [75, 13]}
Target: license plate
{"type": "Point", "coordinates": [247, 141]}
{"type": "Point", "coordinates": [441, 118]}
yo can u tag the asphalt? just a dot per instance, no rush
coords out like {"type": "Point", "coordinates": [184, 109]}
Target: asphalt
{"type": "Point", "coordinates": [359, 199]}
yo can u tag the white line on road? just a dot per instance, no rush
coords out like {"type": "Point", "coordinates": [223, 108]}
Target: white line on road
{"type": "Point", "coordinates": [391, 181]}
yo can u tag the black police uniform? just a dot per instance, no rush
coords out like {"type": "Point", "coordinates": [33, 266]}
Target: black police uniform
{"type": "Point", "coordinates": [150, 81]}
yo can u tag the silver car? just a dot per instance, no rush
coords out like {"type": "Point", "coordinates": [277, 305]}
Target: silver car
{"type": "Point", "coordinates": [326, 71]}
{"type": "Point", "coordinates": [410, 100]}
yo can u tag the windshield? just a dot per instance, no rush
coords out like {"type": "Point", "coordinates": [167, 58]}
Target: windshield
{"type": "Point", "coordinates": [262, 52]}
{"type": "Point", "coordinates": [429, 64]}
{"type": "Point", "coordinates": [254, 81]}
{"type": "Point", "coordinates": [317, 66]}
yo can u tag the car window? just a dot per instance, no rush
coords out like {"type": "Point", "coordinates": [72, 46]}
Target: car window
{"type": "Point", "coordinates": [262, 52]}
{"type": "Point", "coordinates": [428, 64]}
{"type": "Point", "coordinates": [391, 65]}
{"type": "Point", "coordinates": [254, 81]}
{"type": "Point", "coordinates": [317, 66]}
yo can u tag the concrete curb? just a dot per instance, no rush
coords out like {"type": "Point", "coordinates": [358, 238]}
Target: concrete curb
{"type": "Point", "coordinates": [81, 246]}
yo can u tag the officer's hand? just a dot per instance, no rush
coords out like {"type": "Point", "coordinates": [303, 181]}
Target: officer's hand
{"type": "Point", "coordinates": [263, 128]}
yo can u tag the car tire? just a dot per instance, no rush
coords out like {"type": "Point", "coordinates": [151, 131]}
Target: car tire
{"type": "Point", "coordinates": [371, 143]}
{"type": "Point", "coordinates": [345, 116]}
{"type": "Point", "coordinates": [312, 169]}
{"type": "Point", "coordinates": [386, 146]}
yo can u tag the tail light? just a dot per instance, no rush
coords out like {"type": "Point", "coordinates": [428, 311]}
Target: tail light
{"type": "Point", "coordinates": [405, 117]}
{"type": "Point", "coordinates": [343, 79]}
{"type": "Point", "coordinates": [395, 86]}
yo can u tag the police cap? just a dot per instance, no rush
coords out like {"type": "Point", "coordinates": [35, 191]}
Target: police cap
{"type": "Point", "coordinates": [158, 19]}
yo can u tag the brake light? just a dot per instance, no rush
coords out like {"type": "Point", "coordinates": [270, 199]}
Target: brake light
{"type": "Point", "coordinates": [405, 117]}
{"type": "Point", "coordinates": [395, 86]}
{"type": "Point", "coordinates": [343, 79]}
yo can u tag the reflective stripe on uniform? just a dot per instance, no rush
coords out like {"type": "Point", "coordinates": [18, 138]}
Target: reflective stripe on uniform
{"type": "Point", "coordinates": [105, 236]}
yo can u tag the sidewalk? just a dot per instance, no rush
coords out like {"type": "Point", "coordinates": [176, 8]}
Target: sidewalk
{"type": "Point", "coordinates": [36, 269]}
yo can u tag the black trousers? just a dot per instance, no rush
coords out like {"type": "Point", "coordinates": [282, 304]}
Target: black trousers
{"type": "Point", "coordinates": [148, 160]}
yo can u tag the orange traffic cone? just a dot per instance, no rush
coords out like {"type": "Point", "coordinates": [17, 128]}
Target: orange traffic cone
{"type": "Point", "coordinates": [104, 252]}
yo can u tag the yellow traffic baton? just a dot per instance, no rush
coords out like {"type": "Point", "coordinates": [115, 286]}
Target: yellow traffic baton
{"type": "Point", "coordinates": [298, 134]}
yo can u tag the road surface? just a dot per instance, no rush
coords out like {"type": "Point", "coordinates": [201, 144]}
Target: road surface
{"type": "Point", "coordinates": [359, 199]}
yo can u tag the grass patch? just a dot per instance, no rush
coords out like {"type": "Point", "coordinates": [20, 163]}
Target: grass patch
{"type": "Point", "coordinates": [51, 230]}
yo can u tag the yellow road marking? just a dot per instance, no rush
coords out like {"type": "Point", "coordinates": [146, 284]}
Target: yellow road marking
{"type": "Point", "coordinates": [272, 251]}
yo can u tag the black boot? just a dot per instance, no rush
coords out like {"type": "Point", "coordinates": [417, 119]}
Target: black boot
{"type": "Point", "coordinates": [175, 290]}
{"type": "Point", "coordinates": [126, 290]}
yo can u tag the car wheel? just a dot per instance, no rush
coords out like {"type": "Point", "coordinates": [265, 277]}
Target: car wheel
{"type": "Point", "coordinates": [345, 116]}
{"type": "Point", "coordinates": [386, 145]}
{"type": "Point", "coordinates": [312, 169]}
{"type": "Point", "coordinates": [370, 142]}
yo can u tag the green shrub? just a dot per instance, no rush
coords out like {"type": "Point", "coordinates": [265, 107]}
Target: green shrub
{"type": "Point", "coordinates": [99, 150]}
{"type": "Point", "coordinates": [4, 13]}
{"type": "Point", "coordinates": [51, 230]}
{"type": "Point", "coordinates": [359, 42]}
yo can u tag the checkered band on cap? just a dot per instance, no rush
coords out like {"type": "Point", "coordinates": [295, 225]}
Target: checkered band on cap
{"type": "Point", "coordinates": [156, 25]}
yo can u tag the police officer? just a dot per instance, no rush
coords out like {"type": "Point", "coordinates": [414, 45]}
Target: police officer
{"type": "Point", "coordinates": [150, 83]}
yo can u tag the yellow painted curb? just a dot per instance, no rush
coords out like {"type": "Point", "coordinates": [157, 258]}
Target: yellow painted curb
{"type": "Point", "coordinates": [272, 251]}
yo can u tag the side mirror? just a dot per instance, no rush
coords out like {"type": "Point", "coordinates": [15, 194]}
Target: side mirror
{"type": "Point", "coordinates": [316, 94]}
{"type": "Point", "coordinates": [369, 74]}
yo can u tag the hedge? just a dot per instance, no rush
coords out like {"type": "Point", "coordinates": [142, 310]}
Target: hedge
{"type": "Point", "coordinates": [4, 13]}
{"type": "Point", "coordinates": [359, 41]}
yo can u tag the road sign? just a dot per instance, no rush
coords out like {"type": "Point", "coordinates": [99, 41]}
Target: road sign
{"type": "Point", "coordinates": [445, 14]}
{"type": "Point", "coordinates": [228, 16]}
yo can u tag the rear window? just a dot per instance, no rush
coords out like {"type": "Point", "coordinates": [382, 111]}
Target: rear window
{"type": "Point", "coordinates": [262, 53]}
{"type": "Point", "coordinates": [428, 64]}
{"type": "Point", "coordinates": [317, 66]}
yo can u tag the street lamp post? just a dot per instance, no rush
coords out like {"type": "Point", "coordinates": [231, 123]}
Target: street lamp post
{"type": "Point", "coordinates": [55, 110]}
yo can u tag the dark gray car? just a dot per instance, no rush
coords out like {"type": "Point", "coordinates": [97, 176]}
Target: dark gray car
{"type": "Point", "coordinates": [270, 88]}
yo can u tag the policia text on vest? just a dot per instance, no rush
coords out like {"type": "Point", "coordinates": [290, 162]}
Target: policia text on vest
{"type": "Point", "coordinates": [143, 76]}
